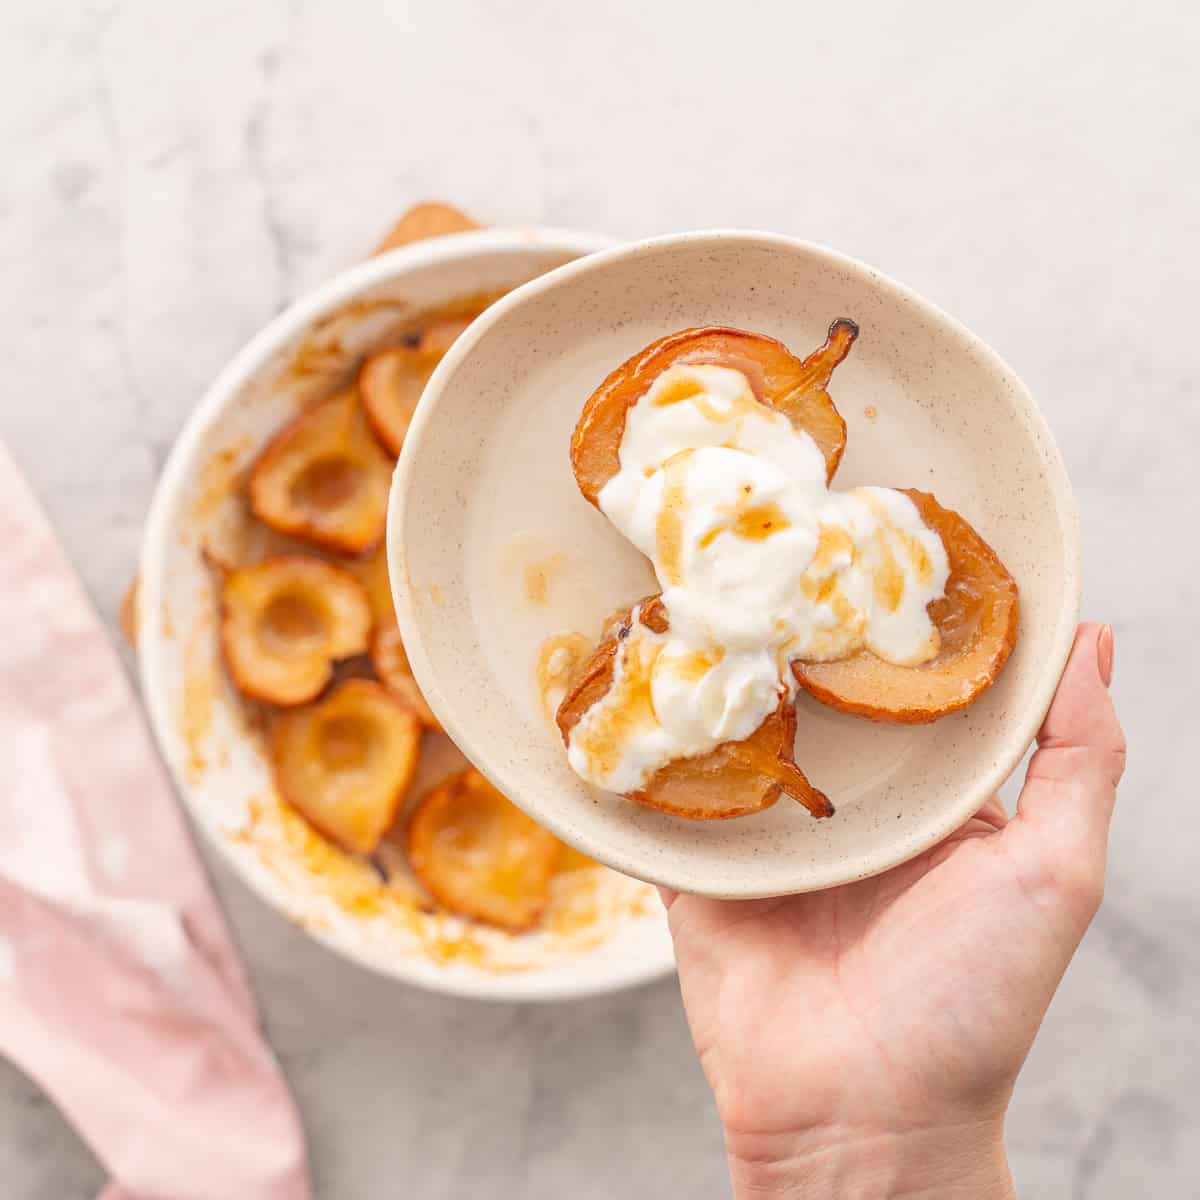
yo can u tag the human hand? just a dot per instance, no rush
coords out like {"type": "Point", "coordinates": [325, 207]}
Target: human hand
{"type": "Point", "coordinates": [864, 1041]}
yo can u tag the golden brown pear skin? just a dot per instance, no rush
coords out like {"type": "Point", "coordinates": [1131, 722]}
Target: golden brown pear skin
{"type": "Point", "coordinates": [479, 855]}
{"type": "Point", "coordinates": [977, 620]}
{"type": "Point", "coordinates": [733, 780]}
{"type": "Point", "coordinates": [796, 387]}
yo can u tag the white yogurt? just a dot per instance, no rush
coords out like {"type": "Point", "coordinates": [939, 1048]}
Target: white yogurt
{"type": "Point", "coordinates": [759, 565]}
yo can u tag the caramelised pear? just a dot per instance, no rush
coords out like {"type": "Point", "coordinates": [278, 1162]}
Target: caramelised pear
{"type": "Point", "coordinates": [479, 855]}
{"type": "Point", "coordinates": [346, 762]}
{"type": "Point", "coordinates": [324, 478]}
{"type": "Point", "coordinates": [372, 573]}
{"type": "Point", "coordinates": [285, 621]}
{"type": "Point", "coordinates": [390, 661]}
{"type": "Point", "coordinates": [391, 381]}
{"type": "Point", "coordinates": [794, 386]}
{"type": "Point", "coordinates": [977, 623]}
{"type": "Point", "coordinates": [427, 220]}
{"type": "Point", "coordinates": [734, 779]}
{"type": "Point", "coordinates": [388, 656]}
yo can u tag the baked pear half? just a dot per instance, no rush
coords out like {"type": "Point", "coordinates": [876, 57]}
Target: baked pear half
{"type": "Point", "coordinates": [426, 220]}
{"type": "Point", "coordinates": [390, 662]}
{"type": "Point", "coordinates": [324, 478]}
{"type": "Point", "coordinates": [733, 780]}
{"type": "Point", "coordinates": [346, 762]}
{"type": "Point", "coordinates": [391, 381]}
{"type": "Point", "coordinates": [977, 621]}
{"type": "Point", "coordinates": [372, 573]}
{"type": "Point", "coordinates": [479, 855]}
{"type": "Point", "coordinates": [285, 621]}
{"type": "Point", "coordinates": [797, 387]}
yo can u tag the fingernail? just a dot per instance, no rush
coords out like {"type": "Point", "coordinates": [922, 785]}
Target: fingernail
{"type": "Point", "coordinates": [1104, 653]}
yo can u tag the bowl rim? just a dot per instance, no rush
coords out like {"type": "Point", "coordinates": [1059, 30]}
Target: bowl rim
{"type": "Point", "coordinates": [241, 368]}
{"type": "Point", "coordinates": [1022, 729]}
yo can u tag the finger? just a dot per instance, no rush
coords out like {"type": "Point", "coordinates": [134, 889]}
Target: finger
{"type": "Point", "coordinates": [667, 896]}
{"type": "Point", "coordinates": [1081, 734]}
{"type": "Point", "coordinates": [1066, 805]}
{"type": "Point", "coordinates": [1082, 714]}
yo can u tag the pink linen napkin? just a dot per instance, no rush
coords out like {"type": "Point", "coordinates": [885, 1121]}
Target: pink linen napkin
{"type": "Point", "coordinates": [121, 991]}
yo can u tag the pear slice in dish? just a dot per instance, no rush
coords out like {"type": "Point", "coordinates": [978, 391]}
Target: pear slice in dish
{"type": "Point", "coordinates": [796, 387]}
{"type": "Point", "coordinates": [977, 620]}
{"type": "Point", "coordinates": [479, 855]}
{"type": "Point", "coordinates": [389, 659]}
{"type": "Point", "coordinates": [732, 780]}
{"type": "Point", "coordinates": [390, 662]}
{"type": "Point", "coordinates": [346, 762]}
{"type": "Point", "coordinates": [285, 621]}
{"type": "Point", "coordinates": [429, 219]}
{"type": "Point", "coordinates": [392, 380]}
{"type": "Point", "coordinates": [324, 478]}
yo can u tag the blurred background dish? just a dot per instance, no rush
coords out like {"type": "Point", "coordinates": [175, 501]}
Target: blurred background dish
{"type": "Point", "coordinates": [262, 543]}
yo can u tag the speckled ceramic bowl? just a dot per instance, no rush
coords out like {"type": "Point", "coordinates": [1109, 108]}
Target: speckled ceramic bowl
{"type": "Point", "coordinates": [602, 931]}
{"type": "Point", "coordinates": [493, 549]}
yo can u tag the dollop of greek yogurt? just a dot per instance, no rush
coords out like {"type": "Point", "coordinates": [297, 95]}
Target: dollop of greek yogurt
{"type": "Point", "coordinates": [759, 564]}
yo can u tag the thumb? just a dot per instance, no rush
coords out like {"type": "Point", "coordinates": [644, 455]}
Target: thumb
{"type": "Point", "coordinates": [1066, 804]}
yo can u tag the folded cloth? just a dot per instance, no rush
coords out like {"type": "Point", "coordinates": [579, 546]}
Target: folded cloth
{"type": "Point", "coordinates": [121, 991]}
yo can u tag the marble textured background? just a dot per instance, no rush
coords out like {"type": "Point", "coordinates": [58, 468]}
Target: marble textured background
{"type": "Point", "coordinates": [177, 173]}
